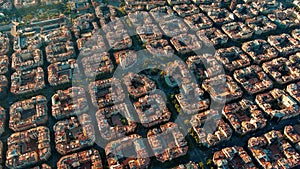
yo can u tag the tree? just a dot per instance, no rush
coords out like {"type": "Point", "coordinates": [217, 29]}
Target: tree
{"type": "Point", "coordinates": [209, 162]}
{"type": "Point", "coordinates": [201, 165]}
{"type": "Point", "coordinates": [186, 122]}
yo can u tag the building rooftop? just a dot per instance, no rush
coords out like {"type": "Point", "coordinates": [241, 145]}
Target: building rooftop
{"type": "Point", "coordinates": [25, 4]}
{"type": "Point", "coordinates": [167, 142]}
{"type": "Point", "coordinates": [84, 24]}
{"type": "Point", "coordinates": [28, 147]}
{"type": "Point", "coordinates": [233, 157]}
{"type": "Point", "coordinates": [85, 159]}
{"type": "Point", "coordinates": [106, 92]}
{"type": "Point", "coordinates": [245, 11]}
{"type": "Point", "coordinates": [60, 51]}
{"type": "Point", "coordinates": [284, 43]}
{"type": "Point", "coordinates": [140, 18]}
{"type": "Point", "coordinates": [285, 18]}
{"type": "Point", "coordinates": [27, 59]}
{"type": "Point", "coordinates": [216, 36]}
{"type": "Point", "coordinates": [28, 113]}
{"type": "Point", "coordinates": [260, 24]}
{"type": "Point", "coordinates": [152, 110]}
{"type": "Point", "coordinates": [30, 39]}
{"type": "Point", "coordinates": [4, 64]}
{"type": "Point", "coordinates": [62, 72]}
{"type": "Point", "coordinates": [184, 10]}
{"type": "Point", "coordinates": [186, 43]}
{"type": "Point", "coordinates": [125, 58]}
{"type": "Point", "coordinates": [237, 31]}
{"type": "Point", "coordinates": [282, 70]}
{"type": "Point", "coordinates": [74, 134]}
{"type": "Point", "coordinates": [204, 66]}
{"type": "Point", "coordinates": [149, 32]}
{"type": "Point", "coordinates": [173, 27]}
{"type": "Point", "coordinates": [106, 13]}
{"type": "Point", "coordinates": [272, 150]}
{"type": "Point", "coordinates": [232, 58]}
{"type": "Point", "coordinates": [219, 15]}
{"type": "Point", "coordinates": [267, 6]}
{"type": "Point", "coordinates": [296, 34]}
{"type": "Point", "coordinates": [2, 121]}
{"type": "Point", "coordinates": [91, 42]}
{"type": "Point", "coordinates": [69, 102]}
{"type": "Point", "coordinates": [115, 121]}
{"type": "Point", "coordinates": [127, 152]}
{"type": "Point", "coordinates": [292, 133]}
{"type": "Point", "coordinates": [163, 13]}
{"type": "Point", "coordinates": [244, 116]}
{"type": "Point", "coordinates": [160, 47]}
{"type": "Point", "coordinates": [3, 86]}
{"type": "Point", "coordinates": [278, 104]}
{"type": "Point", "coordinates": [191, 99]}
{"type": "Point", "coordinates": [117, 36]}
{"type": "Point", "coordinates": [97, 64]}
{"type": "Point", "coordinates": [189, 165]}
{"type": "Point", "coordinates": [61, 34]}
{"type": "Point", "coordinates": [138, 85]}
{"type": "Point", "coordinates": [177, 2]}
{"type": "Point", "coordinates": [222, 87]}
{"type": "Point", "coordinates": [143, 4]}
{"type": "Point", "coordinates": [27, 81]}
{"type": "Point", "coordinates": [198, 21]}
{"type": "Point", "coordinates": [259, 50]}
{"type": "Point", "coordinates": [293, 90]}
{"type": "Point", "coordinates": [42, 166]}
{"type": "Point", "coordinates": [4, 43]}
{"type": "Point", "coordinates": [210, 129]}
{"type": "Point", "coordinates": [79, 6]}
{"type": "Point", "coordinates": [253, 79]}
